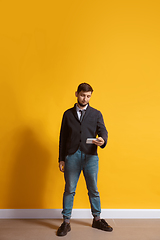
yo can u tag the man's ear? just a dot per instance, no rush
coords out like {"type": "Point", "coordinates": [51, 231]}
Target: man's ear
{"type": "Point", "coordinates": [76, 94]}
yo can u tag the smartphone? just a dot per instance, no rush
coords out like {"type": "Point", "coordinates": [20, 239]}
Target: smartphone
{"type": "Point", "coordinates": [89, 140]}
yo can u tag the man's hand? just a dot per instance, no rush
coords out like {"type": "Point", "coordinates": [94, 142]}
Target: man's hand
{"type": "Point", "coordinates": [100, 141]}
{"type": "Point", "coordinates": [61, 166]}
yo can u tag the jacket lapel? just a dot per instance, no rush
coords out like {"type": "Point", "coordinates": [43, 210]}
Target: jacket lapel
{"type": "Point", "coordinates": [75, 112]}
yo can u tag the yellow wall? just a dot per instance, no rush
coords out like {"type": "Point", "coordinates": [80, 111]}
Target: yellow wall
{"type": "Point", "coordinates": [46, 49]}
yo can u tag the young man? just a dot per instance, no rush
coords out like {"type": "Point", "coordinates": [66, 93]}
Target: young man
{"type": "Point", "coordinates": [77, 154]}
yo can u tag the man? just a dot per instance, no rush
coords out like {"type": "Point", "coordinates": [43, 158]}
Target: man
{"type": "Point", "coordinates": [77, 154]}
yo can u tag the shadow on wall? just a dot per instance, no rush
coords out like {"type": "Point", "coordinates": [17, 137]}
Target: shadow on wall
{"type": "Point", "coordinates": [29, 171]}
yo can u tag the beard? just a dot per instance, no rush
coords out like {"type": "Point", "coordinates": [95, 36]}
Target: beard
{"type": "Point", "coordinates": [81, 104]}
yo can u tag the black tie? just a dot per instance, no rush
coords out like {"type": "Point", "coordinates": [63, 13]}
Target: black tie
{"type": "Point", "coordinates": [82, 114]}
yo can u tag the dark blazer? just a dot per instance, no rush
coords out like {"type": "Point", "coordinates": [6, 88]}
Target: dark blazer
{"type": "Point", "coordinates": [73, 133]}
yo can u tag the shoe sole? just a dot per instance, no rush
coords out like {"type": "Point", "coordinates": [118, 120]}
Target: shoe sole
{"type": "Point", "coordinates": [106, 230]}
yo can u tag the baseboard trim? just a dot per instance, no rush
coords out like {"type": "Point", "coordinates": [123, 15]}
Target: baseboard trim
{"type": "Point", "coordinates": [79, 213]}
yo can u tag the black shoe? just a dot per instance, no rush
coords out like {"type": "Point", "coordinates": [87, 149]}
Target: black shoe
{"type": "Point", "coordinates": [102, 224]}
{"type": "Point", "coordinates": [63, 229]}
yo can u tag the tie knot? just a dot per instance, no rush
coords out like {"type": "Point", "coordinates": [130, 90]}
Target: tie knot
{"type": "Point", "coordinates": [81, 111]}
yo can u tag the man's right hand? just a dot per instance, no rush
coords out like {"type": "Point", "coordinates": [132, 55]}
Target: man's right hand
{"type": "Point", "coordinates": [61, 166]}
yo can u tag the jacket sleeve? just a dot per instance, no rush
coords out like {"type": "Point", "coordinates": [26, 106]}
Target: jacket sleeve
{"type": "Point", "coordinates": [101, 129]}
{"type": "Point", "coordinates": [63, 139]}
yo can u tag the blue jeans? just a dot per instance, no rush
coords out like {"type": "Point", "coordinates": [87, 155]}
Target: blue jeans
{"type": "Point", "coordinates": [74, 164]}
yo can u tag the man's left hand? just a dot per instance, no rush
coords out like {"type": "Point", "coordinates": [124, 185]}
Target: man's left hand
{"type": "Point", "coordinates": [99, 142]}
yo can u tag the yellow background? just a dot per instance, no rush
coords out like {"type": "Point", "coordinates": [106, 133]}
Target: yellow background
{"type": "Point", "coordinates": [46, 49]}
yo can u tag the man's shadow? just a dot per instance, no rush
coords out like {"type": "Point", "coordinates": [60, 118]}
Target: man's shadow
{"type": "Point", "coordinates": [29, 171]}
{"type": "Point", "coordinates": [49, 223]}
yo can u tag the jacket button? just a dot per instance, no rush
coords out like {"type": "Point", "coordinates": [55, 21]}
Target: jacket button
{"type": "Point", "coordinates": [80, 131]}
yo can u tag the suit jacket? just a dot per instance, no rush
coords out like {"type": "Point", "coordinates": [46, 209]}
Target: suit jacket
{"type": "Point", "coordinates": [73, 133]}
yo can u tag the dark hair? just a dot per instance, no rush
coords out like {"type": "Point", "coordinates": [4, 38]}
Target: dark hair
{"type": "Point", "coordinates": [85, 87]}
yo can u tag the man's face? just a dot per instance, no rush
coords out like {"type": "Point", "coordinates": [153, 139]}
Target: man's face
{"type": "Point", "coordinates": [83, 98]}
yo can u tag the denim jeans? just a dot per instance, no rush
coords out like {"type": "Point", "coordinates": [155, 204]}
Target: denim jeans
{"type": "Point", "coordinates": [74, 164]}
